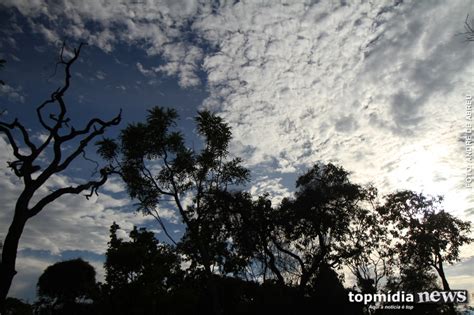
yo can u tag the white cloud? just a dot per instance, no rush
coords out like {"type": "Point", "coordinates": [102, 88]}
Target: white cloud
{"type": "Point", "coordinates": [15, 58]}
{"type": "Point", "coordinates": [51, 35]}
{"type": "Point", "coordinates": [157, 26]}
{"type": "Point", "coordinates": [114, 185]}
{"type": "Point", "coordinates": [183, 62]}
{"type": "Point", "coordinates": [100, 75]}
{"type": "Point", "coordinates": [11, 93]}
{"type": "Point", "coordinates": [29, 269]}
{"type": "Point", "coordinates": [144, 71]}
{"type": "Point", "coordinates": [376, 87]}
{"type": "Point", "coordinates": [273, 186]}
{"type": "Point", "coordinates": [461, 274]}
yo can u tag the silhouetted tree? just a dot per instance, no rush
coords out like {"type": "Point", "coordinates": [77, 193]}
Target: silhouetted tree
{"type": "Point", "coordinates": [251, 224]}
{"type": "Point", "coordinates": [17, 307]}
{"type": "Point", "coordinates": [425, 235]}
{"type": "Point", "coordinates": [329, 292]}
{"type": "Point", "coordinates": [160, 166]}
{"type": "Point", "coordinates": [67, 287]}
{"type": "Point", "coordinates": [371, 266]}
{"type": "Point", "coordinates": [412, 278]}
{"type": "Point", "coordinates": [247, 254]}
{"type": "Point", "coordinates": [280, 245]}
{"type": "Point", "coordinates": [316, 228]}
{"type": "Point", "coordinates": [33, 167]}
{"type": "Point", "coordinates": [141, 274]}
{"type": "Point", "coordinates": [425, 238]}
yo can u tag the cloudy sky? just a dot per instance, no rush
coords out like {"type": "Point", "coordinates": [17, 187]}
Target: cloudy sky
{"type": "Point", "coordinates": [376, 86]}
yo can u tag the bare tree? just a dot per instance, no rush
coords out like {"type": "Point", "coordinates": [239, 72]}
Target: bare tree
{"type": "Point", "coordinates": [26, 166]}
{"type": "Point", "coordinates": [469, 30]}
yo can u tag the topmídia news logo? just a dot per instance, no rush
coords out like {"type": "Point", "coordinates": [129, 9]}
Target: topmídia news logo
{"type": "Point", "coordinates": [452, 296]}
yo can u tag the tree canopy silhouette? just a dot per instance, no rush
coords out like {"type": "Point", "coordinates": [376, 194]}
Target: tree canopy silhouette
{"type": "Point", "coordinates": [141, 274]}
{"type": "Point", "coordinates": [161, 166]}
{"type": "Point", "coordinates": [15, 306]}
{"type": "Point", "coordinates": [318, 223]}
{"type": "Point", "coordinates": [291, 254]}
{"type": "Point", "coordinates": [67, 287]}
{"type": "Point", "coordinates": [426, 236]}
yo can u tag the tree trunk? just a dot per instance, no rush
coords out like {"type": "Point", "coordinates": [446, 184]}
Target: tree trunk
{"type": "Point", "coordinates": [315, 265]}
{"type": "Point", "coordinates": [10, 248]}
{"type": "Point", "coordinates": [206, 261]}
{"type": "Point", "coordinates": [446, 287]}
{"type": "Point", "coordinates": [215, 301]}
{"type": "Point", "coordinates": [273, 267]}
{"type": "Point", "coordinates": [442, 275]}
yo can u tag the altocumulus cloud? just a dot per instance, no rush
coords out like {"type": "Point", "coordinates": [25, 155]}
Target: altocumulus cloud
{"type": "Point", "coordinates": [12, 93]}
{"type": "Point", "coordinates": [156, 26]}
{"type": "Point", "coordinates": [377, 87]}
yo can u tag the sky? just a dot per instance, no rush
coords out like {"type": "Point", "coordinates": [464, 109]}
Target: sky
{"type": "Point", "coordinates": [378, 87]}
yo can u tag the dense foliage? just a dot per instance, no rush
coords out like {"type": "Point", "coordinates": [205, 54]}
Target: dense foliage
{"type": "Point", "coordinates": [241, 254]}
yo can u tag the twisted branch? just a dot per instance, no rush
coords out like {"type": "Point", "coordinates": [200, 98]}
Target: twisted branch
{"type": "Point", "coordinates": [23, 165]}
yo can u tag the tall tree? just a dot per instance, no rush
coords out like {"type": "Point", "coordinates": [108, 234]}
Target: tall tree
{"type": "Point", "coordinates": [66, 144]}
{"type": "Point", "coordinates": [141, 274]}
{"type": "Point", "coordinates": [425, 235]}
{"type": "Point", "coordinates": [160, 166]}
{"type": "Point", "coordinates": [371, 266]}
{"type": "Point", "coordinates": [316, 228]}
{"type": "Point", "coordinates": [322, 226]}
{"type": "Point", "coordinates": [251, 224]}
{"type": "Point", "coordinates": [67, 287]}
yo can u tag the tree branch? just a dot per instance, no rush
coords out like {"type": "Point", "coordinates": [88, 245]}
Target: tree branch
{"type": "Point", "coordinates": [147, 173]}
{"type": "Point", "coordinates": [7, 131]}
{"type": "Point", "coordinates": [158, 218]}
{"type": "Point", "coordinates": [84, 142]}
{"type": "Point", "coordinates": [74, 133]}
{"type": "Point", "coordinates": [59, 93]}
{"type": "Point", "coordinates": [92, 185]}
{"type": "Point", "coordinates": [298, 258]}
